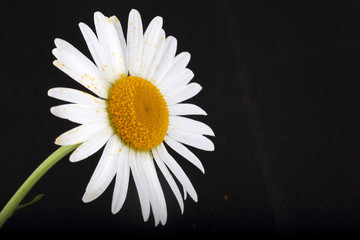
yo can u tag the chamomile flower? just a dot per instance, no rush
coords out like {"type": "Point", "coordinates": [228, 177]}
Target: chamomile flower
{"type": "Point", "coordinates": [140, 84]}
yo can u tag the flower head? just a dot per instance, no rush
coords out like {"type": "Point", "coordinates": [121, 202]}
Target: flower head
{"type": "Point", "coordinates": [140, 85]}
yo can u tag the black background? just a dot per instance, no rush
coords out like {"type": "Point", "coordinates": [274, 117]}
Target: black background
{"type": "Point", "coordinates": [280, 86]}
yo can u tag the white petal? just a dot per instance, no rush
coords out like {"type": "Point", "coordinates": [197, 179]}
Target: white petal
{"type": "Point", "coordinates": [135, 42]}
{"type": "Point", "coordinates": [186, 109]}
{"type": "Point", "coordinates": [109, 40]}
{"type": "Point", "coordinates": [158, 192]}
{"type": "Point", "coordinates": [182, 94]}
{"type": "Point", "coordinates": [157, 201]}
{"type": "Point", "coordinates": [105, 170]}
{"type": "Point", "coordinates": [155, 62]}
{"type": "Point", "coordinates": [178, 65]}
{"type": "Point", "coordinates": [67, 47]}
{"type": "Point", "coordinates": [96, 50]}
{"type": "Point", "coordinates": [147, 185]}
{"type": "Point", "coordinates": [180, 79]}
{"type": "Point", "coordinates": [176, 170]}
{"type": "Point", "coordinates": [81, 133]}
{"type": "Point", "coordinates": [115, 21]}
{"type": "Point", "coordinates": [79, 113]}
{"type": "Point", "coordinates": [185, 152]}
{"type": "Point", "coordinates": [122, 180]}
{"type": "Point", "coordinates": [190, 125]}
{"type": "Point", "coordinates": [169, 179]}
{"type": "Point", "coordinates": [76, 96]}
{"type": "Point", "coordinates": [89, 147]}
{"type": "Point", "coordinates": [140, 185]}
{"type": "Point", "coordinates": [83, 76]}
{"type": "Point", "coordinates": [191, 139]}
{"type": "Point", "coordinates": [151, 39]}
{"type": "Point", "coordinates": [167, 58]}
{"type": "Point", "coordinates": [80, 68]}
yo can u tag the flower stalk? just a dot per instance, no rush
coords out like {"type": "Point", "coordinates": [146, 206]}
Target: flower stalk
{"type": "Point", "coordinates": [16, 199]}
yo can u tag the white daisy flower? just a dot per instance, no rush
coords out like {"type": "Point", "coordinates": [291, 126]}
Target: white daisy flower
{"type": "Point", "coordinates": [140, 84]}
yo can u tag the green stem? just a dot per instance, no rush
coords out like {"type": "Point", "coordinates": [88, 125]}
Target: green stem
{"type": "Point", "coordinates": [13, 203]}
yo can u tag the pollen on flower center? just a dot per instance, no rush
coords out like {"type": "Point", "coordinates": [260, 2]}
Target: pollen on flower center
{"type": "Point", "coordinates": [138, 112]}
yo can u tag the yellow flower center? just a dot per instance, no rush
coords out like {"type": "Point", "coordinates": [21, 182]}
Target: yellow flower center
{"type": "Point", "coordinates": [138, 112]}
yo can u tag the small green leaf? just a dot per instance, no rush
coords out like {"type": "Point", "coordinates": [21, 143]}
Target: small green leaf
{"type": "Point", "coordinates": [35, 199]}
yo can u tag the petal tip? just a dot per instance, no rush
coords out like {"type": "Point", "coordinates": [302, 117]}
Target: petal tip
{"type": "Point", "coordinates": [86, 198]}
{"type": "Point", "coordinates": [81, 25]}
{"type": "Point", "coordinates": [50, 92]}
{"type": "Point", "coordinates": [52, 110]}
{"type": "Point", "coordinates": [73, 158]}
{"type": "Point", "coordinates": [55, 51]}
{"type": "Point", "coordinates": [98, 13]}
{"type": "Point", "coordinates": [134, 11]}
{"type": "Point", "coordinates": [58, 142]}
{"type": "Point", "coordinates": [114, 210]}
